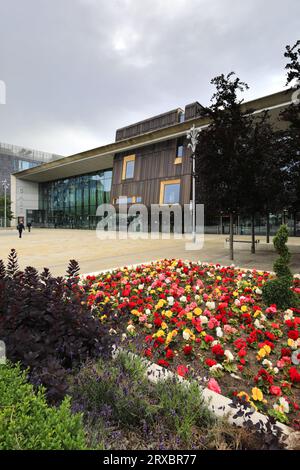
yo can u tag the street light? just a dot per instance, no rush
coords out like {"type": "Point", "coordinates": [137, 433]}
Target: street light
{"type": "Point", "coordinates": [193, 136]}
{"type": "Point", "coordinates": [5, 187]}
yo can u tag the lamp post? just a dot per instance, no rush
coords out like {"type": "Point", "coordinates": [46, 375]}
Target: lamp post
{"type": "Point", "coordinates": [5, 187]}
{"type": "Point", "coordinates": [193, 136]}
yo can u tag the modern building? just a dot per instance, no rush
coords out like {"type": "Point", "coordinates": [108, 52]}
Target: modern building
{"type": "Point", "coordinates": [14, 158]}
{"type": "Point", "coordinates": [148, 163]}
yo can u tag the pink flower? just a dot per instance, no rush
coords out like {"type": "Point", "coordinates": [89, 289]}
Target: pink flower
{"type": "Point", "coordinates": [214, 386]}
{"type": "Point", "coordinates": [142, 318]}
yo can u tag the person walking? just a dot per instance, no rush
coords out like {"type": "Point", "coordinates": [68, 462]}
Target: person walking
{"type": "Point", "coordinates": [20, 228]}
{"type": "Point", "coordinates": [29, 225]}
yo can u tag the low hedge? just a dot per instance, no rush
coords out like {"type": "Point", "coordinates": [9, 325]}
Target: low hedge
{"type": "Point", "coordinates": [27, 422]}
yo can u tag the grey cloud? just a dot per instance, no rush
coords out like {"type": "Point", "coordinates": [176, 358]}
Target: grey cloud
{"type": "Point", "coordinates": [76, 70]}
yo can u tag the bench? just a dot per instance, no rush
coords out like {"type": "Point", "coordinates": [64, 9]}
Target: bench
{"type": "Point", "coordinates": [241, 241]}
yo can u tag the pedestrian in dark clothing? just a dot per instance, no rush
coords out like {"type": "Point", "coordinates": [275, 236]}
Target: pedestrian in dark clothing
{"type": "Point", "coordinates": [20, 228]}
{"type": "Point", "coordinates": [29, 225]}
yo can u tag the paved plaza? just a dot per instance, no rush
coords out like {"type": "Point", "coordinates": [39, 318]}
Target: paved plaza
{"type": "Point", "coordinates": [54, 248]}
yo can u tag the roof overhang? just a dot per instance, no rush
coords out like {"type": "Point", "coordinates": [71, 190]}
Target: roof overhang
{"type": "Point", "coordinates": [102, 157]}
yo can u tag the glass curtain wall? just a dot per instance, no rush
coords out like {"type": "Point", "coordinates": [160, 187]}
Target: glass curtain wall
{"type": "Point", "coordinates": [72, 202]}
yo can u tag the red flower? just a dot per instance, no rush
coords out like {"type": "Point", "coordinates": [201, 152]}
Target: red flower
{"type": "Point", "coordinates": [208, 338]}
{"type": "Point", "coordinates": [242, 353]}
{"type": "Point", "coordinates": [274, 390]}
{"type": "Point", "coordinates": [217, 350]}
{"type": "Point", "coordinates": [187, 349]}
{"type": "Point", "coordinates": [163, 363]}
{"type": "Point", "coordinates": [169, 354]}
{"type": "Point", "coordinates": [182, 370]}
{"type": "Point", "coordinates": [286, 352]}
{"type": "Point", "coordinates": [148, 352]}
{"type": "Point", "coordinates": [210, 362]}
{"type": "Point", "coordinates": [293, 334]}
{"type": "Point", "coordinates": [294, 375]}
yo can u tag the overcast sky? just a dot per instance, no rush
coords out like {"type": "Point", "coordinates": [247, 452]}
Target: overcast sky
{"type": "Point", "coordinates": [75, 70]}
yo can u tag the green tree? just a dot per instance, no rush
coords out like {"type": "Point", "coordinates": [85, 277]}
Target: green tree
{"type": "Point", "coordinates": [222, 154]}
{"type": "Point", "coordinates": [9, 213]}
{"type": "Point", "coordinates": [290, 137]}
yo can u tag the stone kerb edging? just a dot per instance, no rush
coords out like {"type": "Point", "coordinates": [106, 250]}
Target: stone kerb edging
{"type": "Point", "coordinates": [220, 405]}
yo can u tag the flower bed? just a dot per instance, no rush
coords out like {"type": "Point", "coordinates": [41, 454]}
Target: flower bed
{"type": "Point", "coordinates": [207, 322]}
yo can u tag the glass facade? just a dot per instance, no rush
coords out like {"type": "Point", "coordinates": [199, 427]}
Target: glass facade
{"type": "Point", "coordinates": [72, 202]}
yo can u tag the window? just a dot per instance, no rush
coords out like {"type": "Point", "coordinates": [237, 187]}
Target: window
{"type": "Point", "coordinates": [169, 192]}
{"type": "Point", "coordinates": [126, 200]}
{"type": "Point", "coordinates": [128, 167]}
{"type": "Point", "coordinates": [138, 199]}
{"type": "Point", "coordinates": [181, 117]}
{"type": "Point", "coordinates": [180, 149]}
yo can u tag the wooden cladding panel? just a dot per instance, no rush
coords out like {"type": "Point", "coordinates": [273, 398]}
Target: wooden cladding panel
{"type": "Point", "coordinates": [157, 122]}
{"type": "Point", "coordinates": [153, 164]}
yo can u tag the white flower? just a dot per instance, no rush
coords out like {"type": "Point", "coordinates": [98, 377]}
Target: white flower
{"type": "Point", "coordinates": [197, 297]}
{"type": "Point", "coordinates": [297, 276]}
{"type": "Point", "coordinates": [283, 406]}
{"type": "Point", "coordinates": [229, 355]}
{"type": "Point", "coordinates": [275, 370]}
{"type": "Point", "coordinates": [216, 367]}
{"type": "Point", "coordinates": [267, 363]}
{"type": "Point", "coordinates": [203, 319]}
{"type": "Point", "coordinates": [130, 328]}
{"type": "Point", "coordinates": [141, 287]}
{"type": "Point", "coordinates": [170, 300]}
{"type": "Point", "coordinates": [258, 325]}
{"type": "Point", "coordinates": [215, 342]}
{"type": "Point", "coordinates": [112, 331]}
{"type": "Point", "coordinates": [183, 298]}
{"type": "Point", "coordinates": [210, 305]}
{"type": "Point", "coordinates": [147, 311]}
{"type": "Point", "coordinates": [289, 315]}
{"type": "Point", "coordinates": [186, 335]}
{"type": "Point", "coordinates": [123, 337]}
{"type": "Point", "coordinates": [237, 302]}
{"type": "Point", "coordinates": [258, 291]}
{"type": "Point", "coordinates": [219, 332]}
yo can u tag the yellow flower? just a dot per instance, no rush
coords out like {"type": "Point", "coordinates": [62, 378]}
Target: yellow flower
{"type": "Point", "coordinates": [135, 312]}
{"type": "Point", "coordinates": [264, 351]}
{"type": "Point", "coordinates": [243, 394]}
{"type": "Point", "coordinates": [189, 315]}
{"type": "Point", "coordinates": [197, 311]}
{"type": "Point", "coordinates": [164, 325]}
{"type": "Point", "coordinates": [244, 308]}
{"type": "Point", "coordinates": [187, 288]}
{"type": "Point", "coordinates": [167, 313]}
{"type": "Point", "coordinates": [257, 313]}
{"type": "Point", "coordinates": [103, 317]}
{"type": "Point", "coordinates": [160, 304]}
{"type": "Point", "coordinates": [291, 342]}
{"type": "Point", "coordinates": [159, 333]}
{"type": "Point", "coordinates": [235, 293]}
{"type": "Point", "coordinates": [257, 394]}
{"type": "Point", "coordinates": [219, 278]}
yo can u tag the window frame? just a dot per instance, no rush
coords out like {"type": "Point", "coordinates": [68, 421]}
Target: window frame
{"type": "Point", "coordinates": [128, 158]}
{"type": "Point", "coordinates": [165, 183]}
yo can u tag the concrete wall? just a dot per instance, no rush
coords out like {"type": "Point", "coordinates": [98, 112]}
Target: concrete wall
{"type": "Point", "coordinates": [24, 195]}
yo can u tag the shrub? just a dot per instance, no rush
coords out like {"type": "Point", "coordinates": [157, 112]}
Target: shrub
{"type": "Point", "coordinates": [46, 325]}
{"type": "Point", "coordinates": [278, 291]}
{"type": "Point", "coordinates": [27, 422]}
{"type": "Point", "coordinates": [118, 395]}
{"type": "Point", "coordinates": [124, 410]}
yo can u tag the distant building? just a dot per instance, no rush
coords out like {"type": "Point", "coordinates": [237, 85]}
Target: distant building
{"type": "Point", "coordinates": [14, 158]}
{"type": "Point", "coordinates": [148, 163]}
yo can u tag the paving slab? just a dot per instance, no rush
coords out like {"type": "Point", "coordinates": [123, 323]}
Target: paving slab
{"type": "Point", "coordinates": [55, 247]}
